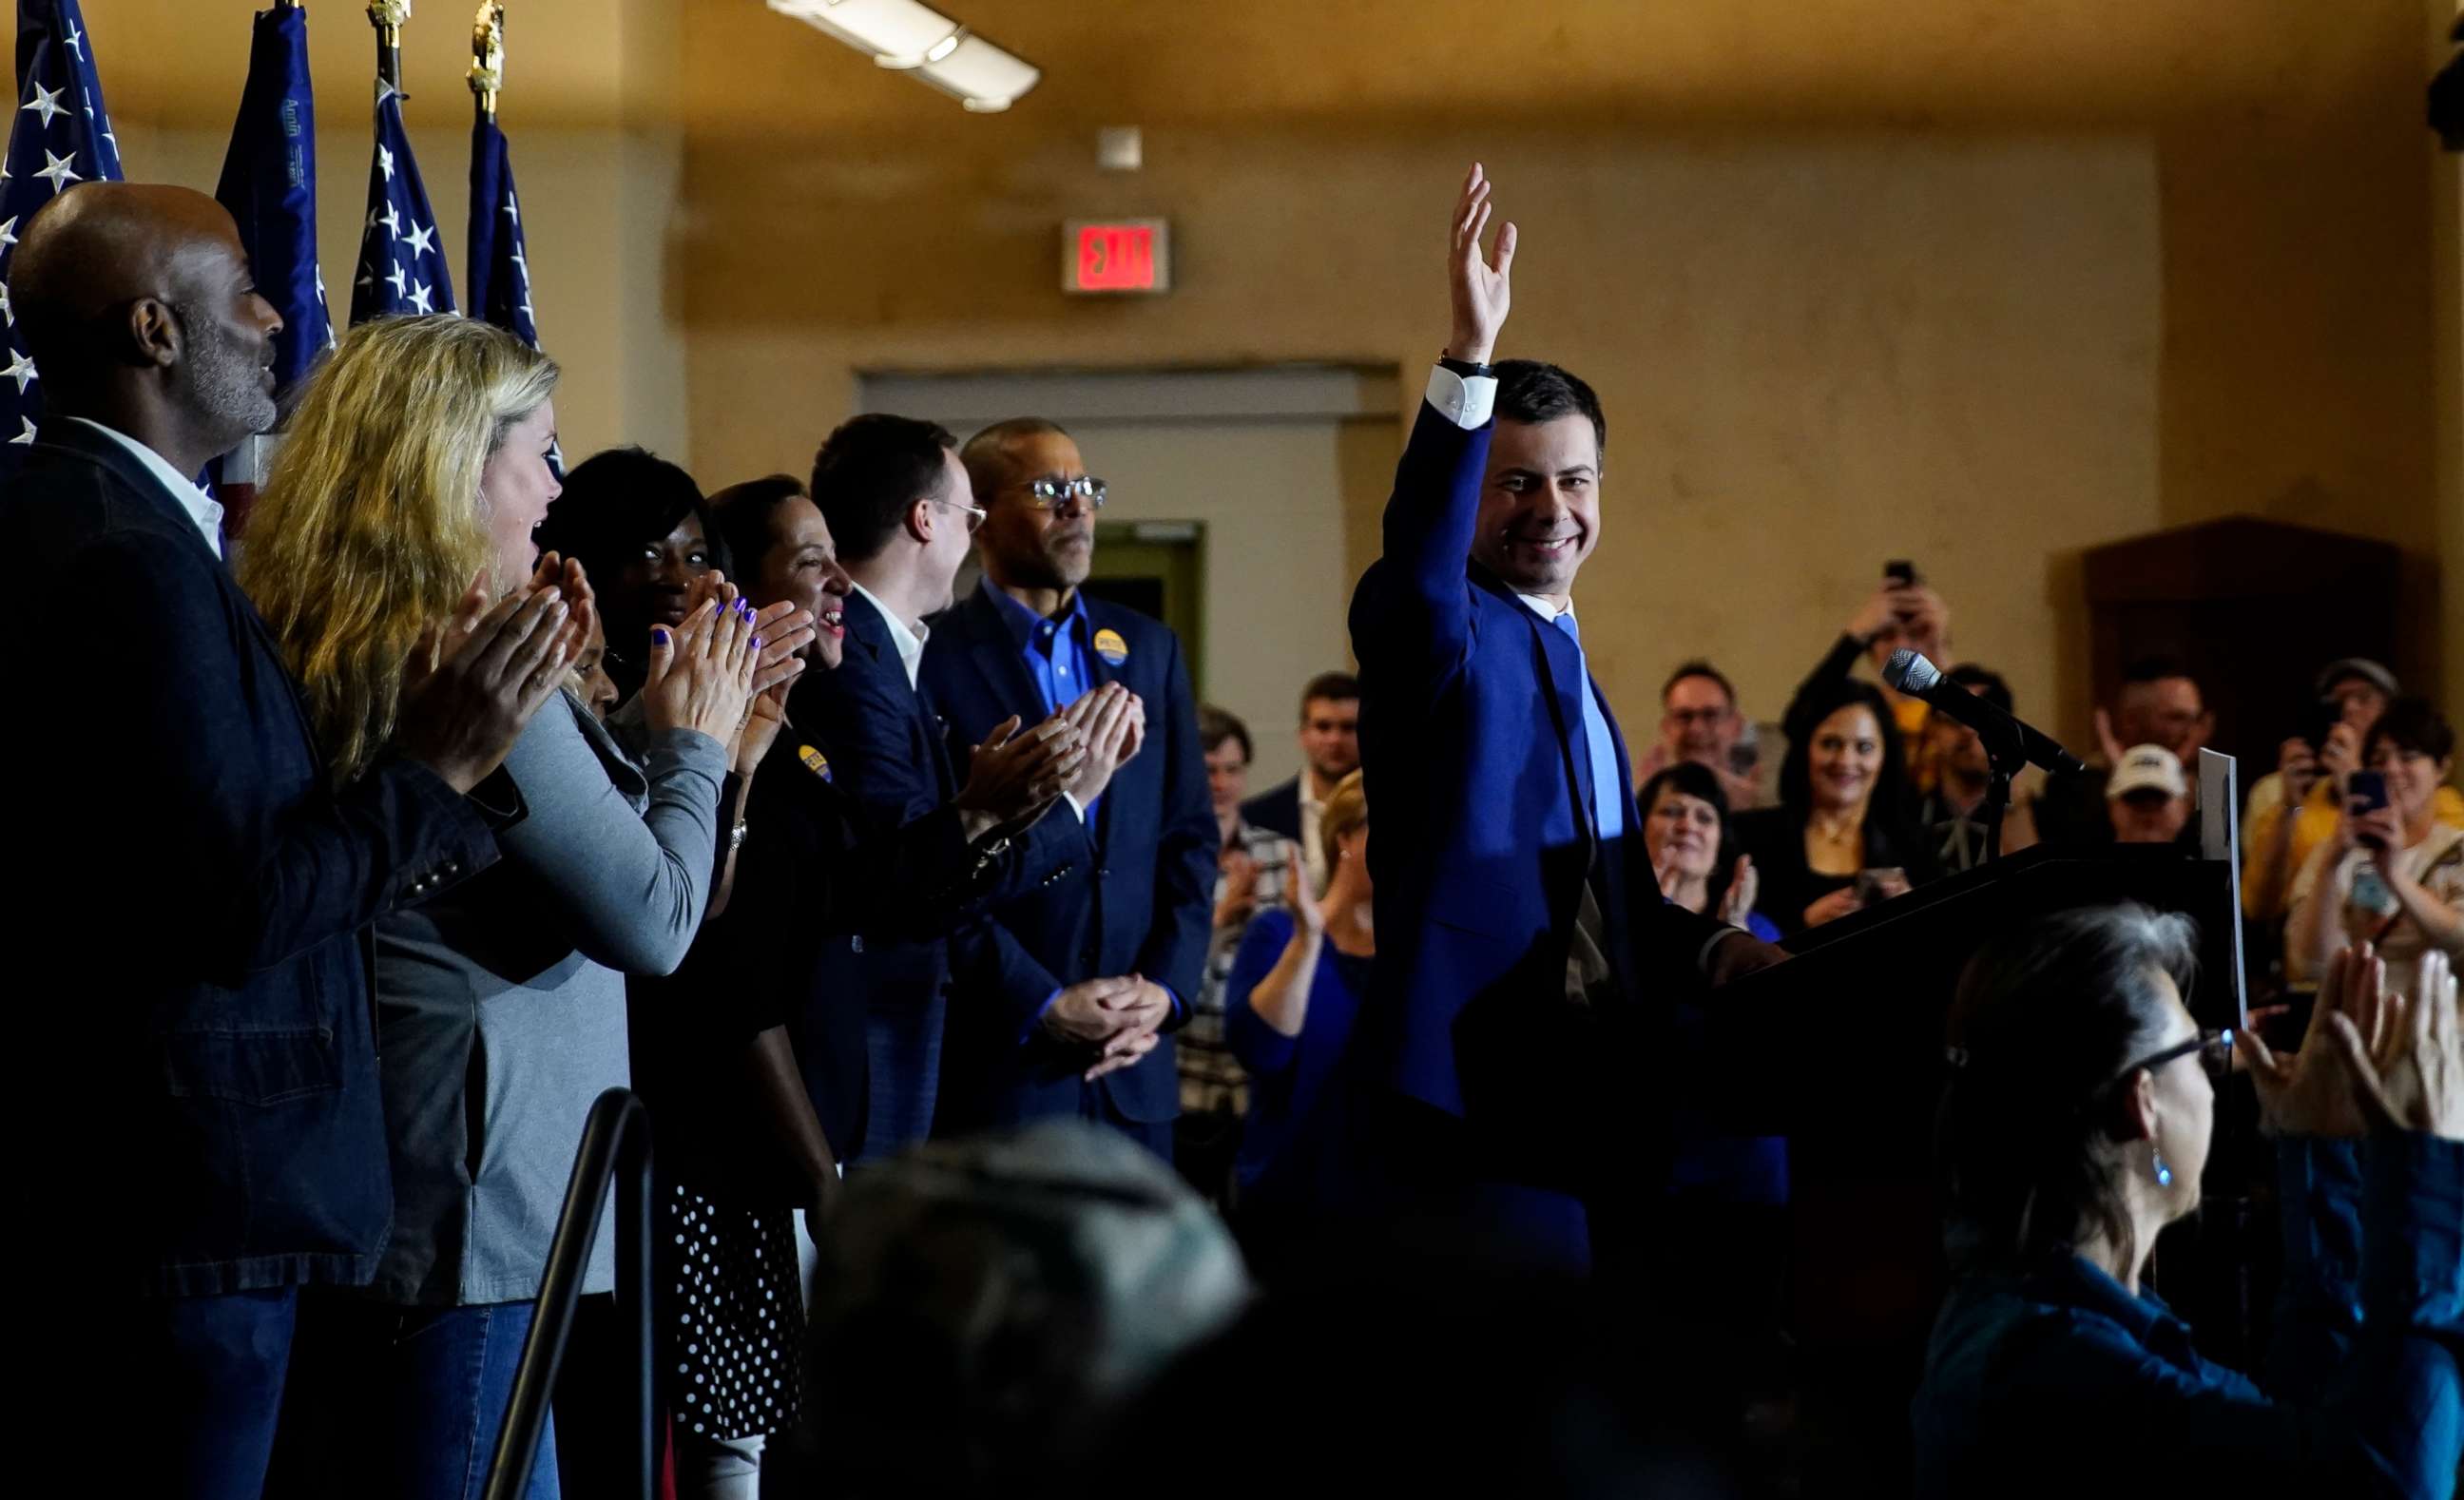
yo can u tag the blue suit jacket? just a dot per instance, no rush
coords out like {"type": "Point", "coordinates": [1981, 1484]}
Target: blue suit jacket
{"type": "Point", "coordinates": [205, 891]}
{"type": "Point", "coordinates": [888, 747]}
{"type": "Point", "coordinates": [1470, 726]}
{"type": "Point", "coordinates": [1144, 905]}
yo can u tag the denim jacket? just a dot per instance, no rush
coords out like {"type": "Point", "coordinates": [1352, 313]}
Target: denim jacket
{"type": "Point", "coordinates": [2065, 1383]}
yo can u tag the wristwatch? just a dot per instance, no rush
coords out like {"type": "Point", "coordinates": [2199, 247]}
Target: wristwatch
{"type": "Point", "coordinates": [1465, 367]}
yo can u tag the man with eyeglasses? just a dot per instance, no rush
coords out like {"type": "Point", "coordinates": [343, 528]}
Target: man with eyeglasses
{"type": "Point", "coordinates": [1026, 642]}
{"type": "Point", "coordinates": [900, 510]}
{"type": "Point", "coordinates": [1699, 722]}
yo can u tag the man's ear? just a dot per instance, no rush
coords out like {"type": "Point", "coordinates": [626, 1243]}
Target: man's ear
{"type": "Point", "coordinates": [155, 336]}
{"type": "Point", "coordinates": [919, 521]}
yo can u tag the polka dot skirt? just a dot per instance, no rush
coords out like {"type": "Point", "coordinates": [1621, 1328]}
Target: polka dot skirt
{"type": "Point", "coordinates": [731, 1317]}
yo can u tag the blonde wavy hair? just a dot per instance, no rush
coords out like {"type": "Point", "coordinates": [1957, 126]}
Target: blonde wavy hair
{"type": "Point", "coordinates": [370, 526]}
{"type": "Point", "coordinates": [1347, 808]}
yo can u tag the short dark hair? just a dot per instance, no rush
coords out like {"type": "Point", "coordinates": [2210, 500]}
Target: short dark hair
{"type": "Point", "coordinates": [1698, 667]}
{"type": "Point", "coordinates": [742, 512]}
{"type": "Point", "coordinates": [986, 455]}
{"type": "Point", "coordinates": [1531, 392]}
{"type": "Point", "coordinates": [2046, 1018]}
{"type": "Point", "coordinates": [1985, 682]}
{"type": "Point", "coordinates": [1696, 781]}
{"type": "Point", "coordinates": [2155, 666]}
{"type": "Point", "coordinates": [1333, 687]}
{"type": "Point", "coordinates": [2411, 725]}
{"type": "Point", "coordinates": [870, 472]}
{"type": "Point", "coordinates": [617, 500]}
{"type": "Point", "coordinates": [1216, 725]}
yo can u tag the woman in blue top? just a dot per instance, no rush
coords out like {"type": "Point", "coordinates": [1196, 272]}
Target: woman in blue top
{"type": "Point", "coordinates": [1289, 1009]}
{"type": "Point", "coordinates": [2074, 1128]}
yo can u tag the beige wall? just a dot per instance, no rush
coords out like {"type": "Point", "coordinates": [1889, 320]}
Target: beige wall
{"type": "Point", "coordinates": [2447, 195]}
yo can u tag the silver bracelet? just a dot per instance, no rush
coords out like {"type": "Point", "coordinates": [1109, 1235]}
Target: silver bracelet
{"type": "Point", "coordinates": [736, 837]}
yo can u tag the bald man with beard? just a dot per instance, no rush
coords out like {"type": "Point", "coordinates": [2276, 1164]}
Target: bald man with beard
{"type": "Point", "coordinates": [197, 889]}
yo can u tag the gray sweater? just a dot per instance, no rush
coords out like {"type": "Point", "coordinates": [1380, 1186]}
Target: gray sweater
{"type": "Point", "coordinates": [500, 1006]}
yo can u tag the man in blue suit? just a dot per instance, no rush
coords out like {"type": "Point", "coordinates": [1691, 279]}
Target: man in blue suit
{"type": "Point", "coordinates": [896, 502]}
{"type": "Point", "coordinates": [203, 1119]}
{"type": "Point", "coordinates": [1025, 642]}
{"type": "Point", "coordinates": [1521, 934]}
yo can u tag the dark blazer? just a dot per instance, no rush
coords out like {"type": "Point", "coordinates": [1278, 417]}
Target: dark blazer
{"type": "Point", "coordinates": [1145, 905]}
{"type": "Point", "coordinates": [223, 1129]}
{"type": "Point", "coordinates": [886, 747]}
{"type": "Point", "coordinates": [1470, 723]}
{"type": "Point", "coordinates": [1773, 838]}
{"type": "Point", "coordinates": [1277, 810]}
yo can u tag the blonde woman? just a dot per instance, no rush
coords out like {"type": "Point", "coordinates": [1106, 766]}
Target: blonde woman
{"type": "Point", "coordinates": [417, 460]}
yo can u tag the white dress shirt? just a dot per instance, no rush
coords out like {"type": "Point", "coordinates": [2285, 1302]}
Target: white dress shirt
{"type": "Point", "coordinates": [1463, 400]}
{"type": "Point", "coordinates": [202, 508]}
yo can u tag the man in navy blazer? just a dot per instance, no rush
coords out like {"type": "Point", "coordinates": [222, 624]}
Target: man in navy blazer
{"type": "Point", "coordinates": [895, 500]}
{"type": "Point", "coordinates": [1515, 909]}
{"type": "Point", "coordinates": [1139, 914]}
{"type": "Point", "coordinates": [1329, 740]}
{"type": "Point", "coordinates": [214, 1141]}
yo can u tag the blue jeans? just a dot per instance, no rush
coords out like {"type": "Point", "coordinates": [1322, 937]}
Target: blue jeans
{"type": "Point", "coordinates": [450, 1373]}
{"type": "Point", "coordinates": [201, 1380]}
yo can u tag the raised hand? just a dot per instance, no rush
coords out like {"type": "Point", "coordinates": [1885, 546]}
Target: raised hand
{"type": "Point", "coordinates": [763, 717]}
{"type": "Point", "coordinates": [2412, 1077]}
{"type": "Point", "coordinates": [1744, 887]}
{"type": "Point", "coordinates": [1307, 916]}
{"type": "Point", "coordinates": [2311, 1091]}
{"type": "Point", "coordinates": [1481, 291]}
{"type": "Point", "coordinates": [785, 630]}
{"type": "Point", "coordinates": [1014, 776]}
{"type": "Point", "coordinates": [1239, 896]}
{"type": "Point", "coordinates": [701, 672]}
{"type": "Point", "coordinates": [490, 674]}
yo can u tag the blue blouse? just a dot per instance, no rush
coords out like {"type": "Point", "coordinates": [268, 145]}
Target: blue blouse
{"type": "Point", "coordinates": [1291, 1150]}
{"type": "Point", "coordinates": [2064, 1383]}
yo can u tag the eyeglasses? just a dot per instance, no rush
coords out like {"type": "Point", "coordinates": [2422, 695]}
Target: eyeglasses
{"type": "Point", "coordinates": [2214, 1050]}
{"type": "Point", "coordinates": [975, 514]}
{"type": "Point", "coordinates": [1047, 493]}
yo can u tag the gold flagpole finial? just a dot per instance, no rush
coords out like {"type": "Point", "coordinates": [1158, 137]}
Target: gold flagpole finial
{"type": "Point", "coordinates": [488, 56]}
{"type": "Point", "coordinates": [387, 18]}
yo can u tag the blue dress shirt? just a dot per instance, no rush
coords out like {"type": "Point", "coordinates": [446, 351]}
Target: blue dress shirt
{"type": "Point", "coordinates": [1055, 650]}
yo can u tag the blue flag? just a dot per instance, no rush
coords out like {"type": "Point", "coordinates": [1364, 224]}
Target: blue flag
{"type": "Point", "coordinates": [499, 266]}
{"type": "Point", "coordinates": [61, 134]}
{"type": "Point", "coordinates": [270, 187]}
{"type": "Point", "coordinates": [401, 269]}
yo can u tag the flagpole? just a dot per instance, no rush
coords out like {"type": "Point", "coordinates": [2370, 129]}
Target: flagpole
{"type": "Point", "coordinates": [487, 58]}
{"type": "Point", "coordinates": [387, 18]}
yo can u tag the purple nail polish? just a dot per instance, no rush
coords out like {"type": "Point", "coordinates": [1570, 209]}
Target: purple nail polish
{"type": "Point", "coordinates": [660, 636]}
{"type": "Point", "coordinates": [756, 643]}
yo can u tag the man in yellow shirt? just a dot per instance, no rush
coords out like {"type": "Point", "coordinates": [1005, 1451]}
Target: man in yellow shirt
{"type": "Point", "coordinates": [2310, 779]}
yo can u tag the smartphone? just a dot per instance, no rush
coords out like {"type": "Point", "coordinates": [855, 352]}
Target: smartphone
{"type": "Point", "coordinates": [2319, 719]}
{"type": "Point", "coordinates": [1874, 884]}
{"type": "Point", "coordinates": [2365, 791]}
{"type": "Point", "coordinates": [1899, 573]}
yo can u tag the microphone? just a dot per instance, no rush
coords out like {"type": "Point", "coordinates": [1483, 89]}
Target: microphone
{"type": "Point", "coordinates": [1912, 674]}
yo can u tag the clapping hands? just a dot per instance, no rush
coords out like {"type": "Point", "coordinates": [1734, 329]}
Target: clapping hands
{"type": "Point", "coordinates": [2370, 1058]}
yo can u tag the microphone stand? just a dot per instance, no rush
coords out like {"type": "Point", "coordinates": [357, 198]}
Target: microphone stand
{"type": "Point", "coordinates": [2005, 758]}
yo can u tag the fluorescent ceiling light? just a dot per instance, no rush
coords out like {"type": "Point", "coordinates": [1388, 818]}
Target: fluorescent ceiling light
{"type": "Point", "coordinates": [981, 76]}
{"type": "Point", "coordinates": [912, 36]}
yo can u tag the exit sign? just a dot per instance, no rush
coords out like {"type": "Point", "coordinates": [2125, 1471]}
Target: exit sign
{"type": "Point", "coordinates": [1116, 255]}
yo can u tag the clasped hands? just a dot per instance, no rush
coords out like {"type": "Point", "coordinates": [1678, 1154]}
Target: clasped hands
{"type": "Point", "coordinates": [1121, 1017]}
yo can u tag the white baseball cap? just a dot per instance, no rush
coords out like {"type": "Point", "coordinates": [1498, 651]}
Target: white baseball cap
{"type": "Point", "coordinates": [2147, 768]}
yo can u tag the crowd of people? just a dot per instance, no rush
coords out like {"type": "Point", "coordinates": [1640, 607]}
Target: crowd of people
{"type": "Point", "coordinates": [933, 924]}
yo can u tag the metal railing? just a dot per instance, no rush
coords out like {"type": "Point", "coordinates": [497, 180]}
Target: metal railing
{"type": "Point", "coordinates": [615, 1139]}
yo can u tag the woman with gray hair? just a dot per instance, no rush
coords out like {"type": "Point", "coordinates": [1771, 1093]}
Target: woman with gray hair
{"type": "Point", "coordinates": [2074, 1128]}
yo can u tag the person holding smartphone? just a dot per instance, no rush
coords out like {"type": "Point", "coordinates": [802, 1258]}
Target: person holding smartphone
{"type": "Point", "coordinates": [2392, 873]}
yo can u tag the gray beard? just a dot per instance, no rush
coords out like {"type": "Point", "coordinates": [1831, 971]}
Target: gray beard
{"type": "Point", "coordinates": [226, 385]}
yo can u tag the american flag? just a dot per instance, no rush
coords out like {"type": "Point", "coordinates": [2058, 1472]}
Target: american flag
{"type": "Point", "coordinates": [61, 134]}
{"type": "Point", "coordinates": [268, 183]}
{"type": "Point", "coordinates": [499, 266]}
{"type": "Point", "coordinates": [401, 269]}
